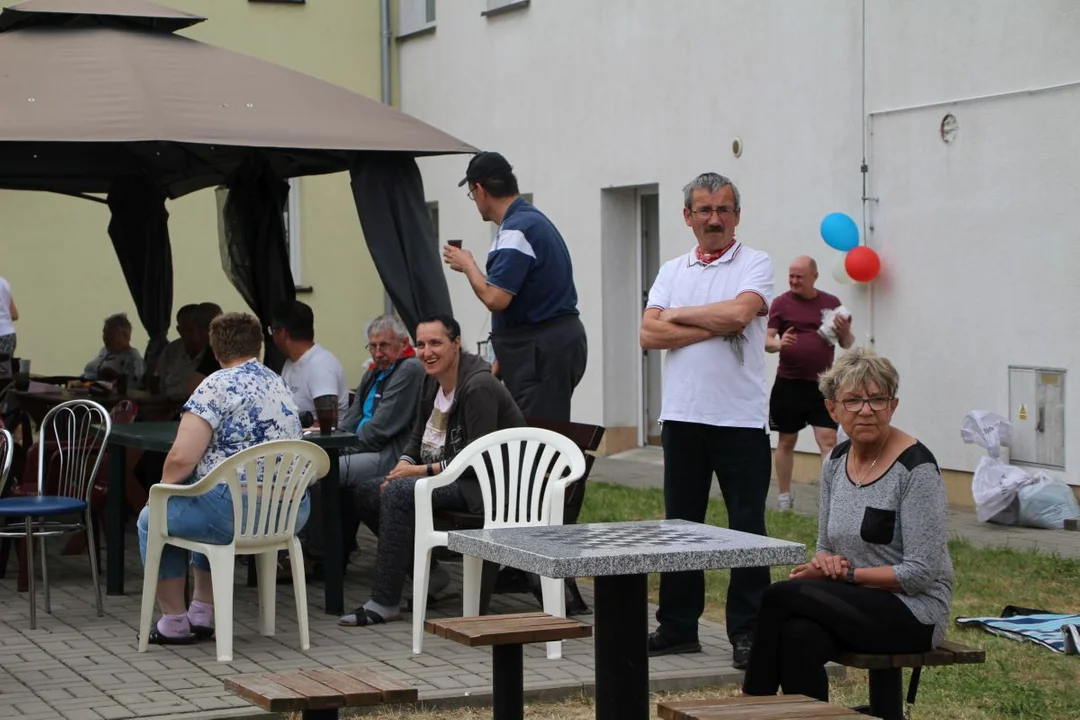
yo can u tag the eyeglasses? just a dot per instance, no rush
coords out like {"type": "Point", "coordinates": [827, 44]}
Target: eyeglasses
{"type": "Point", "coordinates": [877, 404]}
{"type": "Point", "coordinates": [382, 347]}
{"type": "Point", "coordinates": [270, 329]}
{"type": "Point", "coordinates": [471, 194]}
{"type": "Point", "coordinates": [707, 212]}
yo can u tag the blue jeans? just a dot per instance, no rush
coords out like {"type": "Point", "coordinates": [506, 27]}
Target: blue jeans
{"type": "Point", "coordinates": [206, 518]}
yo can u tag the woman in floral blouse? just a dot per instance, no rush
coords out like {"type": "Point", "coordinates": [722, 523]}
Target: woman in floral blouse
{"type": "Point", "coordinates": [243, 404]}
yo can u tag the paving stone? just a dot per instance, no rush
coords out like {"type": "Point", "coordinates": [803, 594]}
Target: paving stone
{"type": "Point", "coordinates": [81, 714]}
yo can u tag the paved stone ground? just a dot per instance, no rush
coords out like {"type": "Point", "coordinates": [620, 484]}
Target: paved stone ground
{"type": "Point", "coordinates": [645, 468]}
{"type": "Point", "coordinates": [77, 666]}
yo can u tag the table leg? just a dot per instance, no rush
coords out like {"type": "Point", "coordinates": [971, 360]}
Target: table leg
{"type": "Point", "coordinates": [114, 507]}
{"type": "Point", "coordinates": [621, 632]}
{"type": "Point", "coordinates": [887, 694]}
{"type": "Point", "coordinates": [333, 551]}
{"type": "Point", "coordinates": [507, 682]}
{"type": "Point", "coordinates": [322, 714]}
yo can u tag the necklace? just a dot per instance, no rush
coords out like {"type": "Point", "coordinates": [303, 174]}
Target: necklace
{"type": "Point", "coordinates": [866, 473]}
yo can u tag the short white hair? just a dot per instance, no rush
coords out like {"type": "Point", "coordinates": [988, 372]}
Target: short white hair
{"type": "Point", "coordinates": [388, 322]}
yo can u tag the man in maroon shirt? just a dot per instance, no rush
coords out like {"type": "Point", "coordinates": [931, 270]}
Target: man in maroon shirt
{"type": "Point", "coordinates": [794, 319]}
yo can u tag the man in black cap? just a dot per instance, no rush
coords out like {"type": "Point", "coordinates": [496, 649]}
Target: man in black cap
{"type": "Point", "coordinates": [539, 341]}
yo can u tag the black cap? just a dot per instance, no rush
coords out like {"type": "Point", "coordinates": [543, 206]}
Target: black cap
{"type": "Point", "coordinates": [486, 166]}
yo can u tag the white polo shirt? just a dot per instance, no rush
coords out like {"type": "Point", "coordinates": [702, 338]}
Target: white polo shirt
{"type": "Point", "coordinates": [315, 374]}
{"type": "Point", "coordinates": [706, 382]}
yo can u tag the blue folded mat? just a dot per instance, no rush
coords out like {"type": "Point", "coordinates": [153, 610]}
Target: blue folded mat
{"type": "Point", "coordinates": [1060, 633]}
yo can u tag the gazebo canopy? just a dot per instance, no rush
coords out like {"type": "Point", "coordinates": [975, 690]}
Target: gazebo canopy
{"type": "Point", "coordinates": [100, 96]}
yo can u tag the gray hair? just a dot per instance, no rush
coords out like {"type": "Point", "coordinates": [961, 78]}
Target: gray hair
{"type": "Point", "coordinates": [119, 321]}
{"type": "Point", "coordinates": [710, 182]}
{"type": "Point", "coordinates": [388, 322]}
{"type": "Point", "coordinates": [858, 370]}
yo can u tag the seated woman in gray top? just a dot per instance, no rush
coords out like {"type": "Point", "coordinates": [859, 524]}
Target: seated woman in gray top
{"type": "Point", "coordinates": [881, 581]}
{"type": "Point", "coordinates": [117, 357]}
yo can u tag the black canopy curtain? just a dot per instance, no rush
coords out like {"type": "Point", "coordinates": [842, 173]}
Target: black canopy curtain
{"type": "Point", "coordinates": [139, 229]}
{"type": "Point", "coordinates": [254, 255]}
{"type": "Point", "coordinates": [389, 196]}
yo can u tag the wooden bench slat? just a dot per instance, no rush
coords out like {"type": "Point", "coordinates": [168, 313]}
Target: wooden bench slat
{"type": "Point", "coordinates": [265, 693]}
{"type": "Point", "coordinates": [774, 707]}
{"type": "Point", "coordinates": [948, 653]}
{"type": "Point", "coordinates": [392, 689]}
{"type": "Point", "coordinates": [666, 710]}
{"type": "Point", "coordinates": [795, 711]}
{"type": "Point", "coordinates": [356, 692]}
{"type": "Point", "coordinates": [964, 654]}
{"type": "Point", "coordinates": [319, 697]}
{"type": "Point", "coordinates": [516, 629]}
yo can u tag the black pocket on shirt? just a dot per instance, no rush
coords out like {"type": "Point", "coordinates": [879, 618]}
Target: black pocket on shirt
{"type": "Point", "coordinates": [878, 526]}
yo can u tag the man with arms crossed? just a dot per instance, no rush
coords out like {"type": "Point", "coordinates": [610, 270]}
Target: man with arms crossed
{"type": "Point", "coordinates": [707, 309]}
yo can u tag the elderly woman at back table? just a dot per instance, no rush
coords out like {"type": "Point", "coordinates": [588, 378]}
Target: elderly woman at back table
{"type": "Point", "coordinates": [881, 580]}
{"type": "Point", "coordinates": [243, 404]}
{"type": "Point", "coordinates": [117, 357]}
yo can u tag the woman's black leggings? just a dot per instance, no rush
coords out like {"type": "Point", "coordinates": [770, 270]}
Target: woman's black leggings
{"type": "Point", "coordinates": [803, 624]}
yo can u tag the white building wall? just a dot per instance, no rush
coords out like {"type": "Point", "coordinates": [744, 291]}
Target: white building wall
{"type": "Point", "coordinates": [586, 97]}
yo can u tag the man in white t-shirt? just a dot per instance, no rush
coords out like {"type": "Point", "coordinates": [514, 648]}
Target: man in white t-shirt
{"type": "Point", "coordinates": [310, 370]}
{"type": "Point", "coordinates": [708, 309]}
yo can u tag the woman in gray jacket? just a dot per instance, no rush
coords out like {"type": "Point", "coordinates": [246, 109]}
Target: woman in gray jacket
{"type": "Point", "coordinates": [460, 401]}
{"type": "Point", "coordinates": [881, 580]}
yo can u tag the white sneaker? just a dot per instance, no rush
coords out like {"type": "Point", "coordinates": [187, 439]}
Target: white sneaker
{"type": "Point", "coordinates": [784, 502]}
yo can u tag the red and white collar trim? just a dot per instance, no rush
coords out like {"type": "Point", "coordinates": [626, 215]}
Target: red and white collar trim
{"type": "Point", "coordinates": [697, 257]}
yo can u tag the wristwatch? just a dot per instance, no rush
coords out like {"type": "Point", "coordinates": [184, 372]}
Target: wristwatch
{"type": "Point", "coordinates": [430, 470]}
{"type": "Point", "coordinates": [851, 575]}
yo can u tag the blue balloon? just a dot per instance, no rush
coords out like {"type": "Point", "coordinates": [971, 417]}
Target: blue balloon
{"type": "Point", "coordinates": [840, 231]}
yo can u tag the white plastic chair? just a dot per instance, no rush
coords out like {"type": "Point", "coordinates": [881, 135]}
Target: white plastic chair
{"type": "Point", "coordinates": [530, 469]}
{"type": "Point", "coordinates": [283, 470]}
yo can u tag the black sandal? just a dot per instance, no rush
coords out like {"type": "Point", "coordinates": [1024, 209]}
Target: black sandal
{"type": "Point", "coordinates": [157, 638]}
{"type": "Point", "coordinates": [203, 632]}
{"type": "Point", "coordinates": [362, 617]}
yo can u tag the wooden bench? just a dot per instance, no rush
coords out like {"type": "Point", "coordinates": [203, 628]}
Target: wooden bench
{"type": "Point", "coordinates": [887, 679]}
{"type": "Point", "coordinates": [588, 439]}
{"type": "Point", "coordinates": [318, 694]}
{"type": "Point", "coordinates": [506, 634]}
{"type": "Point", "coordinates": [777, 707]}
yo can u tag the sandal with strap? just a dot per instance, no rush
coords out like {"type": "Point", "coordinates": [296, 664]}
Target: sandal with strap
{"type": "Point", "coordinates": [362, 617]}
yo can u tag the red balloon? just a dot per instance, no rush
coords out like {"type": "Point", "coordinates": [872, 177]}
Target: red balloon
{"type": "Point", "coordinates": [862, 264]}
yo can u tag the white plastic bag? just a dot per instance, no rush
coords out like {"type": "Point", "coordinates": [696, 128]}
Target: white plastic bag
{"type": "Point", "coordinates": [995, 486]}
{"type": "Point", "coordinates": [987, 430]}
{"type": "Point", "coordinates": [1047, 502]}
{"type": "Point", "coordinates": [828, 323]}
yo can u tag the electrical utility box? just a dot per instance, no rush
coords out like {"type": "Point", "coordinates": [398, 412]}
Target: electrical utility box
{"type": "Point", "coordinates": [1037, 413]}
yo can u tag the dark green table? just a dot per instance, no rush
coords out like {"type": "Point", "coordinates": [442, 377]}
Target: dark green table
{"type": "Point", "coordinates": [159, 436]}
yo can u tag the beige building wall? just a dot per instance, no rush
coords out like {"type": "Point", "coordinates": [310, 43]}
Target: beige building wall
{"type": "Point", "coordinates": [56, 253]}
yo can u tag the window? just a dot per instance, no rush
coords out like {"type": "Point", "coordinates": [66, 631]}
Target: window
{"type": "Point", "coordinates": [415, 17]}
{"type": "Point", "coordinates": [494, 7]}
{"type": "Point", "coordinates": [292, 229]}
{"type": "Point", "coordinates": [433, 213]}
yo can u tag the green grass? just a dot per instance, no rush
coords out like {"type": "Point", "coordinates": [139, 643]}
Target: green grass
{"type": "Point", "coordinates": [1019, 680]}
